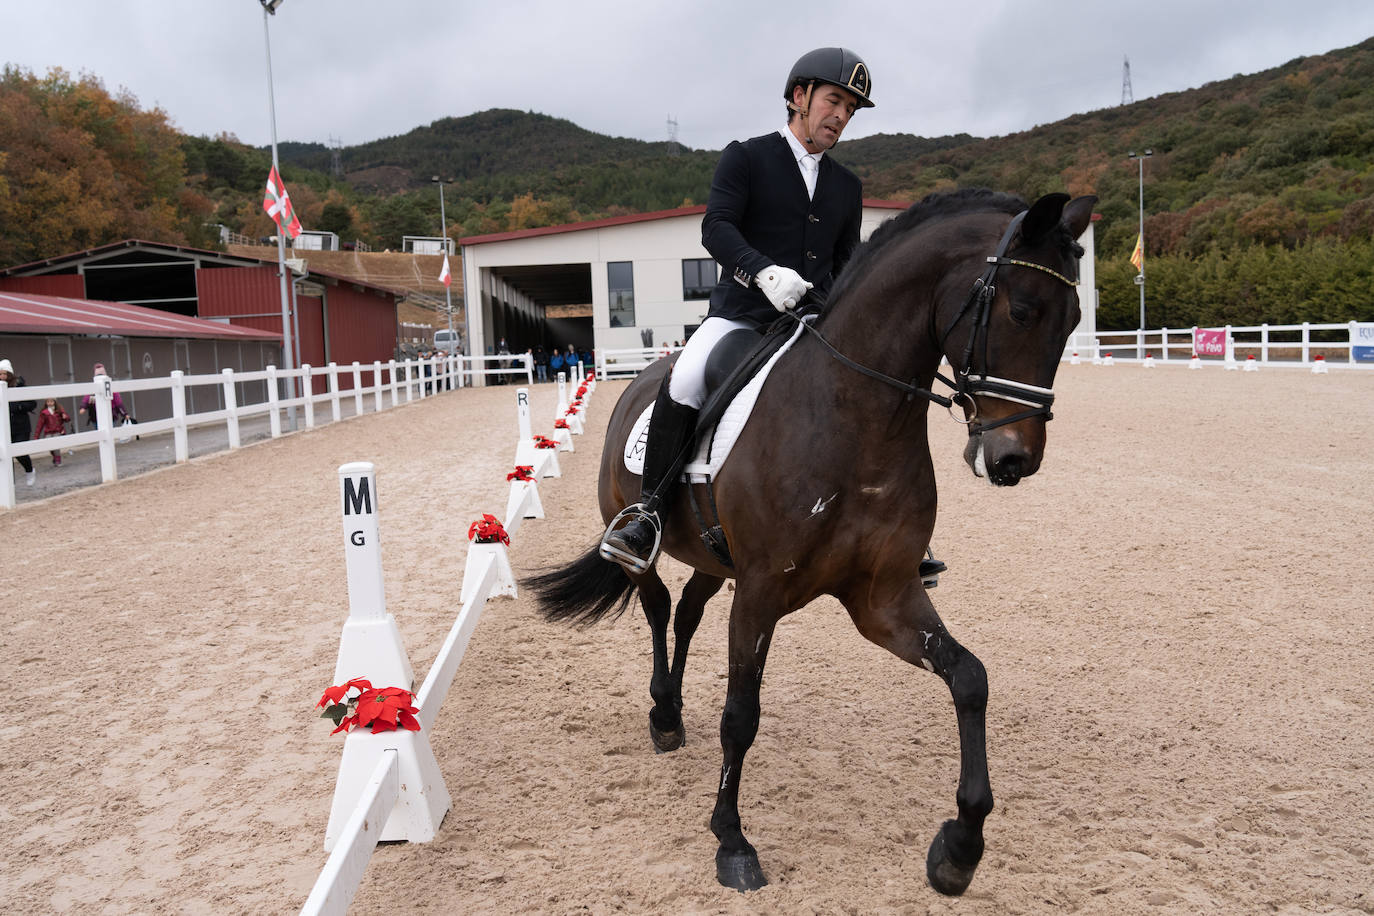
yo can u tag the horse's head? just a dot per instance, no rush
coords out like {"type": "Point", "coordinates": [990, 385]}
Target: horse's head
{"type": "Point", "coordinates": [1006, 338]}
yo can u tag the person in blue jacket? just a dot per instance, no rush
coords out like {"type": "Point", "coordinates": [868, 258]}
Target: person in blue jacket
{"type": "Point", "coordinates": [782, 218]}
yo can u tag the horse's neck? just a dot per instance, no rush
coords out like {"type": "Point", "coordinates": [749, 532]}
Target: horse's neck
{"type": "Point", "coordinates": [885, 320]}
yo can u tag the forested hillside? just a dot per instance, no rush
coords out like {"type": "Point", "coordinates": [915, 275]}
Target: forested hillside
{"type": "Point", "coordinates": [1259, 197]}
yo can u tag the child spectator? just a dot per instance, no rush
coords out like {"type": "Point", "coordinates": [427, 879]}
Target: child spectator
{"type": "Point", "coordinates": [52, 421]}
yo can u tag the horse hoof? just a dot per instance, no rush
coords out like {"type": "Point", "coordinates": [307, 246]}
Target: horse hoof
{"type": "Point", "coordinates": [665, 741]}
{"type": "Point", "coordinates": [739, 870]}
{"type": "Point", "coordinates": [945, 874]}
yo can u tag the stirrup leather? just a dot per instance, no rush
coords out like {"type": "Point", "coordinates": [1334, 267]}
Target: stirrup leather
{"type": "Point", "coordinates": [628, 560]}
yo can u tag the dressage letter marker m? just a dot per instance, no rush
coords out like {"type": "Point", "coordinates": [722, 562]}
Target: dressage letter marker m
{"type": "Point", "coordinates": [371, 643]}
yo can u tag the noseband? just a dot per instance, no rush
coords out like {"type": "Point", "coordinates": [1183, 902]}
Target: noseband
{"type": "Point", "coordinates": [966, 382]}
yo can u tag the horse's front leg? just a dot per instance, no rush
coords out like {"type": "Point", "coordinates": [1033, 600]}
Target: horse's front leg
{"type": "Point", "coordinates": [751, 632]}
{"type": "Point", "coordinates": [909, 627]}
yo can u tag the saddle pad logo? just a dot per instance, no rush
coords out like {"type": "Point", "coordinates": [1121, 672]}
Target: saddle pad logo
{"type": "Point", "coordinates": [635, 443]}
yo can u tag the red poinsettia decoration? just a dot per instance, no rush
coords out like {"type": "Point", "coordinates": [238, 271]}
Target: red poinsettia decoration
{"type": "Point", "coordinates": [581, 390]}
{"type": "Point", "coordinates": [544, 442]}
{"type": "Point", "coordinates": [560, 424]}
{"type": "Point", "coordinates": [488, 531]}
{"type": "Point", "coordinates": [572, 409]}
{"type": "Point", "coordinates": [591, 376]}
{"type": "Point", "coordinates": [521, 472]}
{"type": "Point", "coordinates": [385, 709]}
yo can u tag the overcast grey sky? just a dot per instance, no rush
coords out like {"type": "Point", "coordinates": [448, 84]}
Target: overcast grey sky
{"type": "Point", "coordinates": [360, 70]}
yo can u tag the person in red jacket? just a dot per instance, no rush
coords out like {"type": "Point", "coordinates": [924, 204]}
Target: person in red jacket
{"type": "Point", "coordinates": [52, 421]}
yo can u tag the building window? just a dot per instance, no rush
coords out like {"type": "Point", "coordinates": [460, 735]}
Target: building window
{"type": "Point", "coordinates": [698, 276]}
{"type": "Point", "coordinates": [620, 277]}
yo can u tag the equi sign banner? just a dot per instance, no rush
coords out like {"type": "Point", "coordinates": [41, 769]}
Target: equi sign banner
{"type": "Point", "coordinates": [1362, 342]}
{"type": "Point", "coordinates": [1209, 343]}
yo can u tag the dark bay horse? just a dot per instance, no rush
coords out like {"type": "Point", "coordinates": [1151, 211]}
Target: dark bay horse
{"type": "Point", "coordinates": [812, 500]}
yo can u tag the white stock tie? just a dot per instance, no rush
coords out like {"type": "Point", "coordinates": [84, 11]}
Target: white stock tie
{"type": "Point", "coordinates": [809, 167]}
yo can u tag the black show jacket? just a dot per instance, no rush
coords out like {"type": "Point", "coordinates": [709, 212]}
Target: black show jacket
{"type": "Point", "coordinates": [758, 215]}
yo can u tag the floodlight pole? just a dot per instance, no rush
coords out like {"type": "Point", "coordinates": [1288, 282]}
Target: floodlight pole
{"type": "Point", "coordinates": [1140, 280]}
{"type": "Point", "coordinates": [269, 7]}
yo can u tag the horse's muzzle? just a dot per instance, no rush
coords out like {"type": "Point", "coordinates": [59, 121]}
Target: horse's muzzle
{"type": "Point", "coordinates": [1001, 458]}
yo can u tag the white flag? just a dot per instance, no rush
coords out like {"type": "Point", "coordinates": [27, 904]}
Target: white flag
{"type": "Point", "coordinates": [445, 277]}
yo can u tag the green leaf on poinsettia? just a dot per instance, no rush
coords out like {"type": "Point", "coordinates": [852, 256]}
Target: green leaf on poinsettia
{"type": "Point", "coordinates": [335, 712]}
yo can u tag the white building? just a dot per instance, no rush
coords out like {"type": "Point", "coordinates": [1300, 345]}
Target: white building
{"type": "Point", "coordinates": [621, 282]}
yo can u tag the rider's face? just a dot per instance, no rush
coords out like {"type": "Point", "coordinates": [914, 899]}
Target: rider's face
{"type": "Point", "coordinates": [829, 114]}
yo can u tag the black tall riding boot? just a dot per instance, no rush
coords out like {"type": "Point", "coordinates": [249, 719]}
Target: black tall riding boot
{"type": "Point", "coordinates": [671, 429]}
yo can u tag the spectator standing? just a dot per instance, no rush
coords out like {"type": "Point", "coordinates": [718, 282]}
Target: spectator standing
{"type": "Point", "coordinates": [52, 421]}
{"type": "Point", "coordinates": [19, 419]}
{"type": "Point", "coordinates": [541, 364]}
{"type": "Point", "coordinates": [87, 408]}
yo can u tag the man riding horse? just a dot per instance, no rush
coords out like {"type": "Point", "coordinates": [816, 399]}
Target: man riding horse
{"type": "Point", "coordinates": [781, 219]}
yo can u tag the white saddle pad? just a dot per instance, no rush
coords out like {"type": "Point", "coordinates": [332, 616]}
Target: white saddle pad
{"type": "Point", "coordinates": [715, 445]}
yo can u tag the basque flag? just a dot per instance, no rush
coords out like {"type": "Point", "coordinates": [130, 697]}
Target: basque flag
{"type": "Point", "coordinates": [1138, 256]}
{"type": "Point", "coordinates": [445, 277]}
{"type": "Point", "coordinates": [277, 203]}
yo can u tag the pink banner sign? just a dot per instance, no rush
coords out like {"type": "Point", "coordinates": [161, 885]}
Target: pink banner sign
{"type": "Point", "coordinates": [1209, 343]}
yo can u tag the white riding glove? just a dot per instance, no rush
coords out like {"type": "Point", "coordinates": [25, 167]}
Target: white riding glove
{"type": "Point", "coordinates": [783, 286]}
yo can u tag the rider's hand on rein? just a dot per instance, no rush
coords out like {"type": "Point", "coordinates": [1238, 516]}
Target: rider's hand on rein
{"type": "Point", "coordinates": [783, 286]}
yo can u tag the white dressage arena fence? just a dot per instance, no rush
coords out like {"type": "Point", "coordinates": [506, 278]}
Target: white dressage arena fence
{"type": "Point", "coordinates": [375, 387]}
{"type": "Point", "coordinates": [1337, 346]}
{"type": "Point", "coordinates": [389, 785]}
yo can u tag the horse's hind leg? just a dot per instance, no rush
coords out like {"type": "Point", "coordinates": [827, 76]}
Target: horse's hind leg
{"type": "Point", "coordinates": [911, 630]}
{"type": "Point", "coordinates": [665, 718]}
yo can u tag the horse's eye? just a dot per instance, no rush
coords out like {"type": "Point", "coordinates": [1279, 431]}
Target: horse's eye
{"type": "Point", "coordinates": [1023, 313]}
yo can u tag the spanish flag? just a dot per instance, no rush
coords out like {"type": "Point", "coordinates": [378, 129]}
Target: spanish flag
{"type": "Point", "coordinates": [1138, 256]}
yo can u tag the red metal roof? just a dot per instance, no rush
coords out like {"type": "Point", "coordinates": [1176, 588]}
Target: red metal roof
{"type": "Point", "coordinates": [622, 220]}
{"type": "Point", "coordinates": [27, 313]}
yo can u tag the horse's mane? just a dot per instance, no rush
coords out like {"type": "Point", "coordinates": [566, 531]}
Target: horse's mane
{"type": "Point", "coordinates": [933, 206]}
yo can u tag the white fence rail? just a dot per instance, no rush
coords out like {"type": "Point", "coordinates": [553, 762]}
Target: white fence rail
{"type": "Point", "coordinates": [628, 363]}
{"type": "Point", "coordinates": [1298, 345]}
{"type": "Point", "coordinates": [374, 387]}
{"type": "Point", "coordinates": [389, 785]}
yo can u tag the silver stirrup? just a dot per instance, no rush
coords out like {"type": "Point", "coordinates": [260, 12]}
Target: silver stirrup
{"type": "Point", "coordinates": [930, 581]}
{"type": "Point", "coordinates": [629, 561]}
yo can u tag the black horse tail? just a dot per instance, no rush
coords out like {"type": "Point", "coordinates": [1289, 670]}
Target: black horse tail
{"type": "Point", "coordinates": [583, 592]}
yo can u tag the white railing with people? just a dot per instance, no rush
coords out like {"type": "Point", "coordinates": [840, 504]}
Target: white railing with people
{"type": "Point", "coordinates": [389, 785]}
{"type": "Point", "coordinates": [379, 385]}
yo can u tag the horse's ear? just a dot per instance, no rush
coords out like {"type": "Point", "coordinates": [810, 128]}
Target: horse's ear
{"type": "Point", "coordinates": [1079, 213]}
{"type": "Point", "coordinates": [1043, 217]}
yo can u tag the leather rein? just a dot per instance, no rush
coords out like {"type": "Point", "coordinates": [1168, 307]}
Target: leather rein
{"type": "Point", "coordinates": [966, 384]}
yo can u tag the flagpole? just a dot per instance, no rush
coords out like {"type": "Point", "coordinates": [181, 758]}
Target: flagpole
{"type": "Point", "coordinates": [1140, 280]}
{"type": "Point", "coordinates": [270, 7]}
{"type": "Point", "coordinates": [443, 230]}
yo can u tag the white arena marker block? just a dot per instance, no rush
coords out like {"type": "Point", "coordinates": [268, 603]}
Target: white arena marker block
{"type": "Point", "coordinates": [370, 646]}
{"type": "Point", "coordinates": [564, 439]}
{"type": "Point", "coordinates": [522, 503]}
{"type": "Point", "coordinates": [1074, 360]}
{"type": "Point", "coordinates": [522, 415]}
{"type": "Point", "coordinates": [575, 422]}
{"type": "Point", "coordinates": [562, 406]}
{"type": "Point", "coordinates": [1250, 364]}
{"type": "Point", "coordinates": [1195, 362]}
{"type": "Point", "coordinates": [1319, 365]}
{"type": "Point", "coordinates": [1108, 361]}
{"type": "Point", "coordinates": [480, 556]}
{"type": "Point", "coordinates": [1149, 361]}
{"type": "Point", "coordinates": [423, 800]}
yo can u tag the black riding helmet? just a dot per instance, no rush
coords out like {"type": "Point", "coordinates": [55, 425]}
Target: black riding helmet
{"type": "Point", "coordinates": [836, 66]}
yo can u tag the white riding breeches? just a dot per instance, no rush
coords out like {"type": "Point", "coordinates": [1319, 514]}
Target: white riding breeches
{"type": "Point", "coordinates": [688, 383]}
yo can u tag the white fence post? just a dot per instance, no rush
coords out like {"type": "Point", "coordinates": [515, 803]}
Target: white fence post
{"type": "Point", "coordinates": [334, 390]}
{"type": "Point", "coordinates": [395, 395]}
{"type": "Point", "coordinates": [308, 392]}
{"type": "Point", "coordinates": [105, 420]}
{"type": "Point", "coordinates": [377, 385]}
{"type": "Point", "coordinates": [1350, 353]}
{"type": "Point", "coordinates": [231, 408]}
{"type": "Point", "coordinates": [179, 441]}
{"type": "Point", "coordinates": [273, 417]}
{"type": "Point", "coordinates": [1306, 343]}
{"type": "Point", "coordinates": [6, 474]}
{"type": "Point", "coordinates": [410, 380]}
{"type": "Point", "coordinates": [357, 389]}
{"type": "Point", "coordinates": [529, 369]}
{"type": "Point", "coordinates": [1264, 342]}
